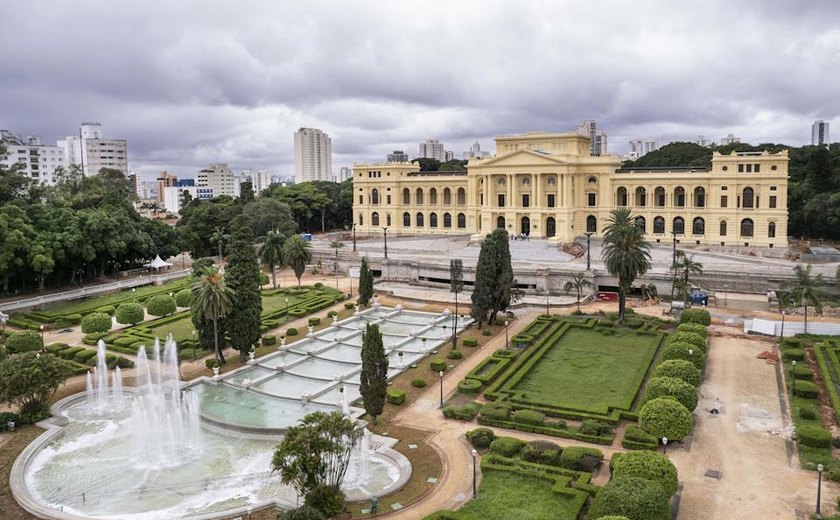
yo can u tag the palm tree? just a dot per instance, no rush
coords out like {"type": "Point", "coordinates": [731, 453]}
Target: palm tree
{"type": "Point", "coordinates": [336, 244]}
{"type": "Point", "coordinates": [297, 252]}
{"type": "Point", "coordinates": [271, 253]}
{"type": "Point", "coordinates": [806, 289]}
{"type": "Point", "coordinates": [688, 266]}
{"type": "Point", "coordinates": [214, 299]}
{"type": "Point", "coordinates": [625, 252]}
{"type": "Point", "coordinates": [578, 283]}
{"type": "Point", "coordinates": [219, 237]}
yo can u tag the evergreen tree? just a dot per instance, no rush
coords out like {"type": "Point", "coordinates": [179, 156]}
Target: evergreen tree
{"type": "Point", "coordinates": [365, 283]}
{"type": "Point", "coordinates": [242, 276]}
{"type": "Point", "coordinates": [505, 283]}
{"type": "Point", "coordinates": [626, 254]}
{"type": "Point", "coordinates": [374, 376]}
{"type": "Point", "coordinates": [297, 252]}
{"type": "Point", "coordinates": [494, 282]}
{"type": "Point", "coordinates": [456, 285]}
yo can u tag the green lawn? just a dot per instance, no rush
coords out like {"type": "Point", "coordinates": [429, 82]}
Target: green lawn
{"type": "Point", "coordinates": [115, 298]}
{"type": "Point", "coordinates": [180, 329]}
{"type": "Point", "coordinates": [589, 371]}
{"type": "Point", "coordinates": [277, 302]}
{"type": "Point", "coordinates": [504, 495]}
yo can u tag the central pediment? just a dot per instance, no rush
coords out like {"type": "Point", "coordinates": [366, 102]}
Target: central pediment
{"type": "Point", "coordinates": [519, 158]}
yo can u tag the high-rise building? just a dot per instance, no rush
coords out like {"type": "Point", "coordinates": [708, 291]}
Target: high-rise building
{"type": "Point", "coordinates": [38, 161]}
{"type": "Point", "coordinates": [259, 180]}
{"type": "Point", "coordinates": [819, 133]}
{"type": "Point", "coordinates": [147, 190]}
{"type": "Point", "coordinates": [92, 151]}
{"type": "Point", "coordinates": [597, 138]}
{"type": "Point", "coordinates": [433, 149]}
{"type": "Point", "coordinates": [219, 177]}
{"type": "Point", "coordinates": [702, 140]}
{"type": "Point", "coordinates": [448, 155]}
{"type": "Point", "coordinates": [640, 147]}
{"type": "Point", "coordinates": [475, 151]}
{"type": "Point", "coordinates": [172, 195]}
{"type": "Point", "coordinates": [164, 180]}
{"type": "Point", "coordinates": [345, 173]}
{"type": "Point", "coordinates": [729, 139]}
{"type": "Point", "coordinates": [398, 156]}
{"type": "Point", "coordinates": [313, 155]}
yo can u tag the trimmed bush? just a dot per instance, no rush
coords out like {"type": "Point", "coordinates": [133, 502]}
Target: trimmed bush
{"type": "Point", "coordinates": [314, 321]}
{"type": "Point", "coordinates": [695, 328]}
{"type": "Point", "coordinates": [469, 386]}
{"type": "Point", "coordinates": [480, 438]}
{"type": "Point", "coordinates": [806, 389]}
{"type": "Point", "coordinates": [813, 436]}
{"type": "Point", "coordinates": [633, 498]}
{"type": "Point", "coordinates": [681, 351]}
{"type": "Point", "coordinates": [291, 331]}
{"type": "Point", "coordinates": [526, 416]}
{"type": "Point", "coordinates": [692, 338]}
{"type": "Point", "coordinates": [211, 363]}
{"type": "Point", "coordinates": [542, 452]}
{"type": "Point", "coordinates": [418, 383]}
{"type": "Point", "coordinates": [507, 446]}
{"type": "Point", "coordinates": [438, 364]}
{"type": "Point", "coordinates": [470, 342]}
{"type": "Point", "coordinates": [680, 369]}
{"type": "Point", "coordinates": [496, 410]}
{"type": "Point", "coordinates": [806, 411]}
{"type": "Point", "coordinates": [84, 356]}
{"type": "Point", "coordinates": [183, 298]}
{"type": "Point", "coordinates": [801, 372]}
{"type": "Point", "coordinates": [349, 305]}
{"type": "Point", "coordinates": [74, 318]}
{"type": "Point", "coordinates": [636, 438]}
{"type": "Point", "coordinates": [24, 341]}
{"type": "Point", "coordinates": [396, 396]}
{"type": "Point", "coordinates": [486, 332]}
{"type": "Point", "coordinates": [579, 458]}
{"type": "Point", "coordinates": [94, 337]}
{"type": "Point", "coordinates": [793, 354]}
{"type": "Point", "coordinates": [462, 413]}
{"type": "Point", "coordinates": [161, 305]}
{"type": "Point", "coordinates": [695, 315]}
{"type": "Point", "coordinates": [96, 322]}
{"type": "Point", "coordinates": [666, 417]}
{"type": "Point", "coordinates": [331, 314]}
{"type": "Point", "coordinates": [269, 339]}
{"type": "Point", "coordinates": [107, 309]}
{"type": "Point", "coordinates": [595, 427]}
{"type": "Point", "coordinates": [673, 388]}
{"type": "Point", "coordinates": [454, 354]}
{"type": "Point", "coordinates": [648, 465]}
{"type": "Point", "coordinates": [130, 313]}
{"type": "Point", "coordinates": [319, 285]}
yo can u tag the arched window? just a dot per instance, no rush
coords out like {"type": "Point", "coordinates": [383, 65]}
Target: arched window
{"type": "Point", "coordinates": [641, 197]}
{"type": "Point", "coordinates": [526, 181]}
{"type": "Point", "coordinates": [747, 227]}
{"type": "Point", "coordinates": [406, 219]}
{"type": "Point", "coordinates": [433, 220]}
{"type": "Point", "coordinates": [591, 224]}
{"type": "Point", "coordinates": [406, 196]}
{"type": "Point", "coordinates": [525, 226]}
{"type": "Point", "coordinates": [418, 196]}
{"type": "Point", "coordinates": [447, 196]}
{"type": "Point", "coordinates": [621, 197]}
{"type": "Point", "coordinates": [501, 181]}
{"type": "Point", "coordinates": [462, 197]}
{"type": "Point", "coordinates": [679, 197]}
{"type": "Point", "coordinates": [771, 230]}
{"type": "Point", "coordinates": [723, 228]}
{"type": "Point", "coordinates": [699, 197]}
{"type": "Point", "coordinates": [659, 225]}
{"type": "Point", "coordinates": [418, 219]}
{"type": "Point", "coordinates": [374, 219]}
{"type": "Point", "coordinates": [447, 220]}
{"type": "Point", "coordinates": [500, 222]}
{"type": "Point", "coordinates": [550, 227]}
{"type": "Point", "coordinates": [748, 198]}
{"type": "Point", "coordinates": [659, 197]}
{"type": "Point", "coordinates": [698, 227]}
{"type": "Point", "coordinates": [462, 221]}
{"type": "Point", "coordinates": [374, 196]}
{"type": "Point", "coordinates": [641, 223]}
{"type": "Point", "coordinates": [679, 226]}
{"type": "Point", "coordinates": [388, 219]}
{"type": "Point", "coordinates": [433, 196]}
{"type": "Point", "coordinates": [361, 220]}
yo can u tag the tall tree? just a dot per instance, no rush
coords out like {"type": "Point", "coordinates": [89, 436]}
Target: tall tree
{"type": "Point", "coordinates": [29, 380]}
{"type": "Point", "coordinates": [806, 289]}
{"type": "Point", "coordinates": [297, 252]}
{"type": "Point", "coordinates": [271, 253]}
{"type": "Point", "coordinates": [374, 376]}
{"type": "Point", "coordinates": [625, 252]}
{"type": "Point", "coordinates": [212, 300]}
{"type": "Point", "coordinates": [243, 278]}
{"type": "Point", "coordinates": [270, 214]}
{"type": "Point", "coordinates": [336, 245]}
{"type": "Point", "coordinates": [456, 285]}
{"type": "Point", "coordinates": [686, 267]}
{"type": "Point", "coordinates": [365, 283]}
{"type": "Point", "coordinates": [494, 282]}
{"type": "Point", "coordinates": [219, 237]}
{"type": "Point", "coordinates": [577, 284]}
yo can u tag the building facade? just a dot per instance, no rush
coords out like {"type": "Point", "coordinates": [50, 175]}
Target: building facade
{"type": "Point", "coordinates": [551, 186]}
{"type": "Point", "coordinates": [38, 161]}
{"type": "Point", "coordinates": [397, 156]}
{"type": "Point", "coordinates": [219, 177]}
{"type": "Point", "coordinates": [172, 196]}
{"type": "Point", "coordinates": [432, 149]}
{"type": "Point", "coordinates": [819, 133]}
{"type": "Point", "coordinates": [313, 155]}
{"type": "Point", "coordinates": [92, 151]}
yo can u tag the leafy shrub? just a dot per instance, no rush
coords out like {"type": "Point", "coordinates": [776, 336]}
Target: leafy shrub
{"type": "Point", "coordinates": [581, 459]}
{"type": "Point", "coordinates": [96, 322]}
{"type": "Point", "coordinates": [526, 416]}
{"type": "Point", "coordinates": [331, 314]}
{"type": "Point", "coordinates": [496, 410]}
{"type": "Point", "coordinates": [269, 339]}
{"type": "Point", "coordinates": [665, 417]}
{"type": "Point", "coordinates": [636, 438]}
{"type": "Point", "coordinates": [507, 446]}
{"type": "Point", "coordinates": [480, 438]}
{"type": "Point", "coordinates": [6, 418]}
{"type": "Point", "coordinates": [418, 383]}
{"type": "Point", "coordinates": [107, 309]}
{"type": "Point", "coordinates": [790, 342]}
{"type": "Point", "coordinates": [542, 452]}
{"type": "Point", "coordinates": [793, 354]}
{"type": "Point", "coordinates": [291, 331]}
{"type": "Point", "coordinates": [314, 321]}
{"type": "Point", "coordinates": [70, 353]}
{"type": "Point", "coordinates": [594, 427]}
{"type": "Point", "coordinates": [183, 298]}
{"type": "Point", "coordinates": [130, 313]}
{"type": "Point", "coordinates": [319, 285]}
{"type": "Point", "coordinates": [813, 436]}
{"type": "Point", "coordinates": [692, 338]}
{"type": "Point", "coordinates": [486, 332]}
{"type": "Point", "coordinates": [396, 396]}
{"type": "Point", "coordinates": [438, 364]}
{"type": "Point", "coordinates": [680, 369]}
{"type": "Point", "coordinates": [470, 342]}
{"type": "Point", "coordinates": [263, 279]}
{"type": "Point", "coordinates": [211, 363]}
{"type": "Point", "coordinates": [469, 386]}
{"type": "Point", "coordinates": [684, 351]}
{"type": "Point", "coordinates": [462, 413]}
{"type": "Point", "coordinates": [302, 513]}
{"type": "Point", "coordinates": [454, 354]}
{"type": "Point", "coordinates": [673, 388]}
{"type": "Point", "coordinates": [24, 341]}
{"type": "Point", "coordinates": [808, 411]}
{"type": "Point", "coordinates": [633, 498]}
{"type": "Point", "coordinates": [694, 315]}
{"type": "Point", "coordinates": [161, 305]}
{"type": "Point", "coordinates": [349, 305]}
{"type": "Point", "coordinates": [74, 318]}
{"type": "Point", "coordinates": [55, 348]}
{"type": "Point", "coordinates": [84, 356]}
{"type": "Point", "coordinates": [804, 373]}
{"type": "Point", "coordinates": [328, 500]}
{"type": "Point", "coordinates": [806, 389]}
{"type": "Point", "coordinates": [693, 327]}
{"type": "Point", "coordinates": [648, 465]}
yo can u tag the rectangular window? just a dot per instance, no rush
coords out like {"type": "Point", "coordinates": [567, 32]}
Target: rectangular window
{"type": "Point", "coordinates": [749, 168]}
{"type": "Point", "coordinates": [501, 200]}
{"type": "Point", "coordinates": [388, 199]}
{"type": "Point", "coordinates": [590, 199]}
{"type": "Point", "coordinates": [361, 199]}
{"type": "Point", "coordinates": [526, 201]}
{"type": "Point", "coordinates": [724, 201]}
{"type": "Point", "coordinates": [757, 168]}
{"type": "Point", "coordinates": [772, 188]}
{"type": "Point", "coordinates": [481, 199]}
{"type": "Point", "coordinates": [550, 202]}
{"type": "Point", "coordinates": [740, 168]}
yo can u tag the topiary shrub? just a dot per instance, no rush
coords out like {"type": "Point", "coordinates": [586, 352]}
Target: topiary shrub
{"type": "Point", "coordinates": [581, 459]}
{"type": "Point", "coordinates": [96, 322]}
{"type": "Point", "coordinates": [269, 339]}
{"type": "Point", "coordinates": [542, 452]}
{"type": "Point", "coordinates": [813, 436]}
{"type": "Point", "coordinates": [806, 389]}
{"type": "Point", "coordinates": [183, 298]}
{"type": "Point", "coordinates": [480, 438]}
{"type": "Point", "coordinates": [291, 331]}
{"type": "Point", "coordinates": [349, 305]}
{"type": "Point", "coordinates": [314, 321]}
{"type": "Point", "coordinates": [673, 388]}
{"type": "Point", "coordinates": [804, 373]}
{"type": "Point", "coordinates": [470, 342]}
{"type": "Point", "coordinates": [633, 498]}
{"type": "Point", "coordinates": [107, 309]}
{"type": "Point", "coordinates": [613, 517]}
{"type": "Point", "coordinates": [438, 364]}
{"type": "Point", "coordinates": [496, 410]}
{"type": "Point", "coordinates": [85, 356]}
{"type": "Point", "coordinates": [684, 351]}
{"type": "Point", "coordinates": [648, 465]}
{"type": "Point", "coordinates": [695, 315]}
{"type": "Point", "coordinates": [211, 363]}
{"type": "Point", "coordinates": [418, 383]}
{"type": "Point", "coordinates": [331, 314]}
{"type": "Point", "coordinates": [161, 305]}
{"type": "Point", "coordinates": [24, 341]}
{"type": "Point", "coordinates": [302, 513]}
{"type": "Point", "coordinates": [319, 285]}
{"type": "Point", "coordinates": [595, 427]}
{"type": "Point", "coordinates": [636, 438]}
{"type": "Point", "coordinates": [695, 328]}
{"type": "Point", "coordinates": [692, 338]}
{"type": "Point", "coordinates": [462, 413]}
{"type": "Point", "coordinates": [526, 416]}
{"type": "Point", "coordinates": [507, 446]}
{"type": "Point", "coordinates": [793, 354]}
{"type": "Point", "coordinates": [74, 318]}
{"type": "Point", "coordinates": [396, 396]}
{"type": "Point", "coordinates": [666, 417]}
{"type": "Point", "coordinates": [806, 411]}
{"type": "Point", "coordinates": [454, 354]}
{"type": "Point", "coordinates": [469, 386]}
{"type": "Point", "coordinates": [94, 337]}
{"type": "Point", "coordinates": [680, 369]}
{"type": "Point", "coordinates": [130, 313]}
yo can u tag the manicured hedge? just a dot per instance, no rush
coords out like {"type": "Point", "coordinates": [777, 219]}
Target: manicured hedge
{"type": "Point", "coordinates": [418, 383]}
{"type": "Point", "coordinates": [73, 318]}
{"type": "Point", "coordinates": [161, 305]}
{"type": "Point", "coordinates": [183, 298]}
{"type": "Point", "coordinates": [648, 465]}
{"type": "Point", "coordinates": [580, 458]}
{"type": "Point", "coordinates": [526, 416]}
{"type": "Point", "coordinates": [496, 410]}
{"type": "Point", "coordinates": [93, 338]}
{"type": "Point", "coordinates": [438, 364]}
{"type": "Point", "coordinates": [633, 498]}
{"type": "Point", "coordinates": [130, 313]}
{"type": "Point", "coordinates": [96, 322]}
{"type": "Point", "coordinates": [806, 389]}
{"type": "Point", "coordinates": [636, 438]}
{"type": "Point", "coordinates": [805, 373]}
{"type": "Point", "coordinates": [269, 339]}
{"type": "Point", "coordinates": [695, 315]}
{"type": "Point", "coordinates": [692, 338]}
{"type": "Point", "coordinates": [24, 341]}
{"type": "Point", "coordinates": [314, 321]}
{"type": "Point", "coordinates": [454, 354]}
{"type": "Point", "coordinates": [507, 446]}
{"type": "Point", "coordinates": [480, 438]}
{"type": "Point", "coordinates": [793, 354]}
{"type": "Point", "coordinates": [291, 331]}
{"type": "Point", "coordinates": [665, 417]}
{"type": "Point", "coordinates": [681, 351]}
{"type": "Point", "coordinates": [487, 375]}
{"type": "Point", "coordinates": [680, 369]}
{"type": "Point", "coordinates": [349, 305]}
{"type": "Point", "coordinates": [470, 342]}
{"type": "Point", "coordinates": [107, 309]}
{"type": "Point", "coordinates": [542, 452]}
{"type": "Point", "coordinates": [395, 396]}
{"type": "Point", "coordinates": [469, 386]}
{"type": "Point", "coordinates": [462, 413]}
{"type": "Point", "coordinates": [806, 411]}
{"type": "Point", "coordinates": [673, 388]}
{"type": "Point", "coordinates": [813, 436]}
{"type": "Point", "coordinates": [695, 328]}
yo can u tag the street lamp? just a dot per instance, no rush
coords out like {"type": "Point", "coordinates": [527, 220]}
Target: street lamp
{"type": "Point", "coordinates": [673, 266]}
{"type": "Point", "coordinates": [547, 313]}
{"type": "Point", "coordinates": [385, 230]}
{"type": "Point", "coordinates": [793, 377]}
{"type": "Point", "coordinates": [664, 444]}
{"type": "Point", "coordinates": [287, 310]}
{"type": "Point", "coordinates": [474, 454]}
{"type": "Point", "coordinates": [820, 469]}
{"type": "Point", "coordinates": [43, 345]}
{"type": "Point", "coordinates": [506, 334]}
{"type": "Point", "coordinates": [441, 388]}
{"type": "Point", "coordinates": [194, 332]}
{"type": "Point", "coordinates": [354, 237]}
{"type": "Point", "coordinates": [782, 334]}
{"type": "Point", "coordinates": [588, 255]}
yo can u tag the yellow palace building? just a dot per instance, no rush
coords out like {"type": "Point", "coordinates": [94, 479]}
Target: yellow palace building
{"type": "Point", "coordinates": [549, 186]}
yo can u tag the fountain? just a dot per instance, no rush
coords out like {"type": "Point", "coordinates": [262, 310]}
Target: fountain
{"type": "Point", "coordinates": [358, 470]}
{"type": "Point", "coordinates": [345, 404]}
{"type": "Point", "coordinates": [99, 393]}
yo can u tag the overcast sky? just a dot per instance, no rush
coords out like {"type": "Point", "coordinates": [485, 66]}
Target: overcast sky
{"type": "Point", "coordinates": [193, 82]}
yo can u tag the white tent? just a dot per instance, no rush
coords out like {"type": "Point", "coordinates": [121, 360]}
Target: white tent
{"type": "Point", "coordinates": [157, 263]}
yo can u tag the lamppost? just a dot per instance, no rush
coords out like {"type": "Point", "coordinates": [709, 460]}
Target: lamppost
{"type": "Point", "coordinates": [134, 293]}
{"type": "Point", "coordinates": [673, 266]}
{"type": "Point", "coordinates": [43, 345]}
{"type": "Point", "coordinates": [820, 469]}
{"type": "Point", "coordinates": [194, 332]}
{"type": "Point", "coordinates": [793, 377]}
{"type": "Point", "coordinates": [664, 444]}
{"type": "Point", "coordinates": [385, 230]}
{"type": "Point", "coordinates": [782, 334]}
{"type": "Point", "coordinates": [588, 255]}
{"type": "Point", "coordinates": [506, 334]}
{"type": "Point", "coordinates": [474, 454]}
{"type": "Point", "coordinates": [287, 310]}
{"type": "Point", "coordinates": [547, 313]}
{"type": "Point", "coordinates": [354, 237]}
{"type": "Point", "coordinates": [441, 388]}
